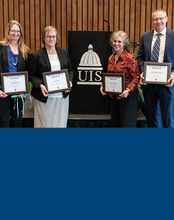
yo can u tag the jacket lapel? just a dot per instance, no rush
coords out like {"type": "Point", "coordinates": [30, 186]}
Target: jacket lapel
{"type": "Point", "coordinates": [149, 39]}
{"type": "Point", "coordinates": [60, 57]}
{"type": "Point", "coordinates": [20, 61]}
{"type": "Point", "coordinates": [4, 59]}
{"type": "Point", "coordinates": [168, 40]}
{"type": "Point", "coordinates": [45, 56]}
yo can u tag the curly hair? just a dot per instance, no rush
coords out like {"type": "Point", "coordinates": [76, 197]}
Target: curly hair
{"type": "Point", "coordinates": [124, 37]}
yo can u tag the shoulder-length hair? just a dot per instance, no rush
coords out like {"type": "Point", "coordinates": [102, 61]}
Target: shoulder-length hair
{"type": "Point", "coordinates": [48, 29]}
{"type": "Point", "coordinates": [124, 36]}
{"type": "Point", "coordinates": [6, 41]}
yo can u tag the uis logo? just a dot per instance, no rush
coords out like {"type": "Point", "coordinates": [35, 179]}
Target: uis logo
{"type": "Point", "coordinates": [90, 68]}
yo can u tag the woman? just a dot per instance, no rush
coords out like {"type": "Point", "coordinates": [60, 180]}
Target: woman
{"type": "Point", "coordinates": [123, 106]}
{"type": "Point", "coordinates": [13, 58]}
{"type": "Point", "coordinates": [50, 110]}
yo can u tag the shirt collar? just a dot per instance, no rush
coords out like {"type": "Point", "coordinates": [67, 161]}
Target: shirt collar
{"type": "Point", "coordinates": [162, 32]}
{"type": "Point", "coordinates": [122, 54]}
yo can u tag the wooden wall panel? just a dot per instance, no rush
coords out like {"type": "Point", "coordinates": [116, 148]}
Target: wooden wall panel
{"type": "Point", "coordinates": [85, 15]}
{"type": "Point", "coordinates": [143, 16]}
{"type": "Point", "coordinates": [90, 6]}
{"type": "Point", "coordinates": [37, 25]}
{"type": "Point", "coordinates": [148, 15]}
{"type": "Point", "coordinates": [95, 15]}
{"type": "Point", "coordinates": [32, 23]}
{"type": "Point", "coordinates": [122, 15]}
{"type": "Point", "coordinates": [169, 13]}
{"type": "Point", "coordinates": [27, 23]}
{"type": "Point", "coordinates": [106, 14]}
{"type": "Point", "coordinates": [11, 15]}
{"type": "Point", "coordinates": [48, 12]}
{"type": "Point", "coordinates": [137, 21]}
{"type": "Point", "coordinates": [53, 13]}
{"type": "Point", "coordinates": [16, 10]}
{"type": "Point", "coordinates": [132, 24]}
{"type": "Point", "coordinates": [58, 20]}
{"type": "Point", "coordinates": [127, 16]}
{"type": "Point", "coordinates": [131, 16]}
{"type": "Point", "coordinates": [79, 16]}
{"type": "Point", "coordinates": [21, 14]}
{"type": "Point", "coordinates": [111, 13]}
{"type": "Point", "coordinates": [101, 15]}
{"type": "Point", "coordinates": [116, 15]}
{"type": "Point", "coordinates": [5, 3]}
{"type": "Point", "coordinates": [1, 18]}
{"type": "Point", "coordinates": [63, 24]}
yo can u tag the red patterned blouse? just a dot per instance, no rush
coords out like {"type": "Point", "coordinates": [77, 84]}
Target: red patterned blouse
{"type": "Point", "coordinates": [127, 64]}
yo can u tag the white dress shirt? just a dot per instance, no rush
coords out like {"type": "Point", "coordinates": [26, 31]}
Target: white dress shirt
{"type": "Point", "coordinates": [162, 44]}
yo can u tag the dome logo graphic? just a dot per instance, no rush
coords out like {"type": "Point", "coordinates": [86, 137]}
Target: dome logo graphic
{"type": "Point", "coordinates": [90, 68]}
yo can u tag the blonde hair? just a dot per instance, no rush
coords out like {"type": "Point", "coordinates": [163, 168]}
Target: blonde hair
{"type": "Point", "coordinates": [159, 10]}
{"type": "Point", "coordinates": [23, 48]}
{"type": "Point", "coordinates": [48, 29]}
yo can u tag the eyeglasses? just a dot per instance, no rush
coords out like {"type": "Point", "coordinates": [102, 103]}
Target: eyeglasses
{"type": "Point", "coordinates": [14, 31]}
{"type": "Point", "coordinates": [156, 19]}
{"type": "Point", "coordinates": [49, 36]}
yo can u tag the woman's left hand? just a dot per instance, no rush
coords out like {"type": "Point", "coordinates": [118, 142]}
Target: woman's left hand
{"type": "Point", "coordinates": [70, 87]}
{"type": "Point", "coordinates": [124, 94]}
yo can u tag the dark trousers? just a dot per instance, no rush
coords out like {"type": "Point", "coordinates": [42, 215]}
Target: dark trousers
{"type": "Point", "coordinates": [159, 98]}
{"type": "Point", "coordinates": [124, 111]}
{"type": "Point", "coordinates": [8, 112]}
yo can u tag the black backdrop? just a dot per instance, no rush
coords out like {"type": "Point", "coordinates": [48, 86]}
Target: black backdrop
{"type": "Point", "coordinates": [87, 99]}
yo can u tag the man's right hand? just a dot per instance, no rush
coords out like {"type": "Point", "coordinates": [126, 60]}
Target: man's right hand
{"type": "Point", "coordinates": [141, 79]}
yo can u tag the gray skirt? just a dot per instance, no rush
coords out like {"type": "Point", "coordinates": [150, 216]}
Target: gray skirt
{"type": "Point", "coordinates": [52, 114]}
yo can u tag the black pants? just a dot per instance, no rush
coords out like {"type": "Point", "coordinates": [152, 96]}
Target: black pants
{"type": "Point", "coordinates": [124, 111]}
{"type": "Point", "coordinates": [8, 112]}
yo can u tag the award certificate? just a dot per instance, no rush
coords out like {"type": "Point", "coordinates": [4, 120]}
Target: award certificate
{"type": "Point", "coordinates": [56, 81]}
{"type": "Point", "coordinates": [113, 83]}
{"type": "Point", "coordinates": [15, 83]}
{"type": "Point", "coordinates": [156, 73]}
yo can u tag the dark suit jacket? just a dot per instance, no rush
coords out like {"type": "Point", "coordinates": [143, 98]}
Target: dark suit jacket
{"type": "Point", "coordinates": [22, 64]}
{"type": "Point", "coordinates": [144, 51]}
{"type": "Point", "coordinates": [40, 63]}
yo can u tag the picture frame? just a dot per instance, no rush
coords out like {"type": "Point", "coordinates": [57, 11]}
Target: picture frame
{"type": "Point", "coordinates": [15, 83]}
{"type": "Point", "coordinates": [56, 81]}
{"type": "Point", "coordinates": [156, 73]}
{"type": "Point", "coordinates": [113, 83]}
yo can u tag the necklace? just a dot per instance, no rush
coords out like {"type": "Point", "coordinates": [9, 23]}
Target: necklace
{"type": "Point", "coordinates": [14, 63]}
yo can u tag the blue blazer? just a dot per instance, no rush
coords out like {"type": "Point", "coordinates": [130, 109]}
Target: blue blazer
{"type": "Point", "coordinates": [144, 51]}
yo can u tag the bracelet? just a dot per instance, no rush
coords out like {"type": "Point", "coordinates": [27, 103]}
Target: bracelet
{"type": "Point", "coordinates": [128, 89]}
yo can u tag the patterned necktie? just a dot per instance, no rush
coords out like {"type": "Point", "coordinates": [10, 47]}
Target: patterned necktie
{"type": "Point", "coordinates": [156, 49]}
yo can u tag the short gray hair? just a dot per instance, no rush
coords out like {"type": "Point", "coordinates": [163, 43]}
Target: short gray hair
{"type": "Point", "coordinates": [124, 37]}
{"type": "Point", "coordinates": [158, 10]}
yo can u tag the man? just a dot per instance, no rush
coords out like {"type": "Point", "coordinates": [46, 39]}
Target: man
{"type": "Point", "coordinates": [158, 97]}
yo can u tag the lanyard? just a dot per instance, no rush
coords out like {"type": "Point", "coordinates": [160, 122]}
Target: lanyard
{"type": "Point", "coordinates": [23, 101]}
